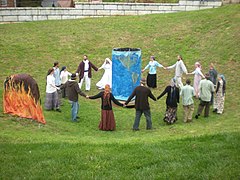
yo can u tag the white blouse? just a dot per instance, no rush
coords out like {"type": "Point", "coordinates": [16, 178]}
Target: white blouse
{"type": "Point", "coordinates": [64, 76]}
{"type": "Point", "coordinates": [50, 87]}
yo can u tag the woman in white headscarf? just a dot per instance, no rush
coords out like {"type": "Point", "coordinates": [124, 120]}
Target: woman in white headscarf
{"type": "Point", "coordinates": [220, 94]}
{"type": "Point", "coordinates": [172, 101]}
{"type": "Point", "coordinates": [198, 75]}
{"type": "Point", "coordinates": [107, 76]}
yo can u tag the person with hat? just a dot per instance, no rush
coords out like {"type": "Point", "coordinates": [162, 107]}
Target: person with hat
{"type": "Point", "coordinates": [198, 75]}
{"type": "Point", "coordinates": [73, 90]}
{"type": "Point", "coordinates": [141, 94]}
{"type": "Point", "coordinates": [206, 88]}
{"type": "Point", "coordinates": [172, 101]}
{"type": "Point", "coordinates": [152, 74]}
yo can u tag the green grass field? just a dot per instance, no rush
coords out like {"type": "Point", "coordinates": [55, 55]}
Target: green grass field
{"type": "Point", "coordinates": [205, 149]}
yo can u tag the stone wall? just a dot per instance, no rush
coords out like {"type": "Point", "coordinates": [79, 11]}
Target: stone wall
{"type": "Point", "coordinates": [231, 1]}
{"type": "Point", "coordinates": [83, 10]}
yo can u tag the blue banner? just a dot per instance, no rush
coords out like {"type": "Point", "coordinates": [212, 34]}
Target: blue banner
{"type": "Point", "coordinates": [126, 71]}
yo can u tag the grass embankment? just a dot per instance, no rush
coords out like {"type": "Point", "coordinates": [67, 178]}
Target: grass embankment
{"type": "Point", "coordinates": [205, 149]}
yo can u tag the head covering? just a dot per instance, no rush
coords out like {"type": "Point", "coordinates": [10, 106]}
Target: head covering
{"type": "Point", "coordinates": [152, 57]}
{"type": "Point", "coordinates": [222, 77]}
{"type": "Point", "coordinates": [173, 90]}
{"type": "Point", "coordinates": [143, 81]}
{"type": "Point", "coordinates": [197, 64]}
{"type": "Point", "coordinates": [107, 59]}
{"type": "Point", "coordinates": [73, 76]}
{"type": "Point", "coordinates": [173, 82]}
{"type": "Point", "coordinates": [106, 95]}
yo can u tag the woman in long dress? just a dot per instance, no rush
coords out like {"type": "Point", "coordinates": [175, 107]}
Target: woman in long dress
{"type": "Point", "coordinates": [51, 102]}
{"type": "Point", "coordinates": [152, 74]}
{"type": "Point", "coordinates": [220, 94]}
{"type": "Point", "coordinates": [198, 75]}
{"type": "Point", "coordinates": [107, 76]}
{"type": "Point", "coordinates": [172, 101]}
{"type": "Point", "coordinates": [107, 122]}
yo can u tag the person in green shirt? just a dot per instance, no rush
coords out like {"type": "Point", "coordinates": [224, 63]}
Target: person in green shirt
{"type": "Point", "coordinates": [187, 92]}
{"type": "Point", "coordinates": [206, 88]}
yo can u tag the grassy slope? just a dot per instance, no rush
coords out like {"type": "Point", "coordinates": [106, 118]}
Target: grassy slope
{"type": "Point", "coordinates": [207, 148]}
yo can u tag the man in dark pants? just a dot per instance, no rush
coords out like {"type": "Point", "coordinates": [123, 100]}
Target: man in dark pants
{"type": "Point", "coordinates": [206, 88]}
{"type": "Point", "coordinates": [141, 104]}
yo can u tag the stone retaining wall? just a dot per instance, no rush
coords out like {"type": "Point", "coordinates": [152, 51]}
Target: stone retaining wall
{"type": "Point", "coordinates": [83, 10]}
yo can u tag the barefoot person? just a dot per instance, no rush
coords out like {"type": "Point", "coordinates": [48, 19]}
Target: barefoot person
{"type": "Point", "coordinates": [152, 74]}
{"type": "Point", "coordinates": [180, 68]}
{"type": "Point", "coordinates": [141, 104]}
{"type": "Point", "coordinates": [107, 122]}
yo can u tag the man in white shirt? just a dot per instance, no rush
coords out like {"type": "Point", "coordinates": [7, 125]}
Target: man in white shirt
{"type": "Point", "coordinates": [180, 68]}
{"type": "Point", "coordinates": [85, 72]}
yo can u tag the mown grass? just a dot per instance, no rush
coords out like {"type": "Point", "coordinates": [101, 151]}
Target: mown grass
{"type": "Point", "coordinates": [205, 149]}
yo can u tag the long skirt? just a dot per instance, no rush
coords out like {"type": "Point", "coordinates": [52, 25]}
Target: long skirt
{"type": "Point", "coordinates": [170, 115]}
{"type": "Point", "coordinates": [152, 80]}
{"type": "Point", "coordinates": [107, 122]}
{"type": "Point", "coordinates": [219, 102]}
{"type": "Point", "coordinates": [51, 101]}
{"type": "Point", "coordinates": [197, 79]}
{"type": "Point", "coordinates": [106, 79]}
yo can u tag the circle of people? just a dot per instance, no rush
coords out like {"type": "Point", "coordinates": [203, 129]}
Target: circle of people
{"type": "Point", "coordinates": [209, 88]}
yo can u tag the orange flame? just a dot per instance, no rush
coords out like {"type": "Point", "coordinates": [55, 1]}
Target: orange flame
{"type": "Point", "coordinates": [17, 101]}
